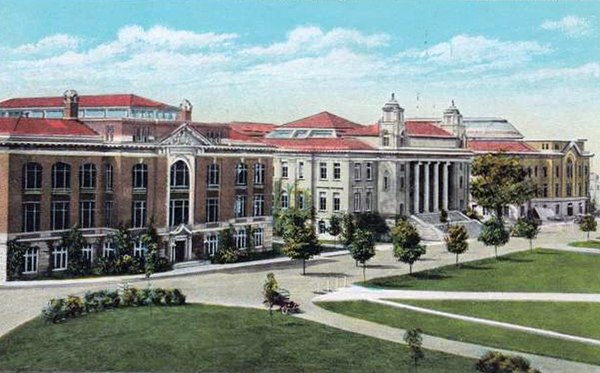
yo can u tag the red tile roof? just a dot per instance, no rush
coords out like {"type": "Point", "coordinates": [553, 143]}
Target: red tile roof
{"type": "Point", "coordinates": [316, 144]}
{"type": "Point", "coordinates": [323, 119]}
{"type": "Point", "coordinates": [116, 100]}
{"type": "Point", "coordinates": [44, 127]}
{"type": "Point", "coordinates": [425, 129]}
{"type": "Point", "coordinates": [492, 146]}
{"type": "Point", "coordinates": [252, 128]}
{"type": "Point", "coordinates": [370, 130]}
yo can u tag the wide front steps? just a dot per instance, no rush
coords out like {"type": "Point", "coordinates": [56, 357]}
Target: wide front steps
{"type": "Point", "coordinates": [190, 264]}
{"type": "Point", "coordinates": [431, 229]}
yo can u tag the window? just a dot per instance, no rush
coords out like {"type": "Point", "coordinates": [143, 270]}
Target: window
{"type": "Point", "coordinates": [386, 181]}
{"type": "Point", "coordinates": [569, 169]}
{"type": "Point", "coordinates": [258, 205]}
{"type": "Point", "coordinates": [357, 171]}
{"type": "Point", "coordinates": [241, 238]}
{"type": "Point", "coordinates": [241, 174]}
{"type": "Point", "coordinates": [300, 170]}
{"type": "Point", "coordinates": [460, 182]}
{"type": "Point", "coordinates": [212, 210]}
{"type": "Point", "coordinates": [259, 174]}
{"type": "Point", "coordinates": [557, 190]}
{"type": "Point", "coordinates": [285, 200]}
{"type": "Point", "coordinates": [386, 139]}
{"type": "Point", "coordinates": [323, 170]}
{"type": "Point", "coordinates": [61, 176]}
{"type": "Point", "coordinates": [179, 212]}
{"type": "Point", "coordinates": [545, 171]}
{"type": "Point", "coordinates": [322, 227]}
{"type": "Point", "coordinates": [212, 175]}
{"type": "Point", "coordinates": [322, 201]}
{"type": "Point", "coordinates": [211, 243]}
{"type": "Point", "coordinates": [557, 171]}
{"type": "Point", "coordinates": [240, 206]}
{"type": "Point", "coordinates": [30, 260]}
{"type": "Point", "coordinates": [545, 190]}
{"type": "Point", "coordinates": [108, 249]}
{"type": "Point", "coordinates": [259, 237]}
{"type": "Point", "coordinates": [557, 209]}
{"type": "Point", "coordinates": [31, 216]}
{"type": "Point", "coordinates": [569, 190]}
{"type": "Point", "coordinates": [180, 177]}
{"type": "Point", "coordinates": [369, 171]}
{"type": "Point", "coordinates": [88, 252]}
{"type": "Point", "coordinates": [300, 198]}
{"type": "Point", "coordinates": [60, 257]}
{"type": "Point", "coordinates": [138, 219]}
{"type": "Point", "coordinates": [108, 177]}
{"type": "Point", "coordinates": [336, 202]}
{"type": "Point", "coordinates": [284, 169]}
{"type": "Point", "coordinates": [368, 201]}
{"type": "Point", "coordinates": [87, 176]}
{"type": "Point", "coordinates": [402, 183]}
{"type": "Point", "coordinates": [60, 215]}
{"type": "Point", "coordinates": [140, 177]}
{"type": "Point", "coordinates": [108, 208]}
{"type": "Point", "coordinates": [139, 249]}
{"type": "Point", "coordinates": [32, 178]}
{"type": "Point", "coordinates": [357, 201]}
{"type": "Point", "coordinates": [142, 134]}
{"type": "Point", "coordinates": [86, 214]}
{"type": "Point", "coordinates": [337, 171]}
{"type": "Point", "coordinates": [535, 171]}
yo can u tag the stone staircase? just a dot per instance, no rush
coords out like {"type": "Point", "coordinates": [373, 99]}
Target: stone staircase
{"type": "Point", "coordinates": [431, 229]}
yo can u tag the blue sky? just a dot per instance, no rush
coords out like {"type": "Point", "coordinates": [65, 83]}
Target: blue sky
{"type": "Point", "coordinates": [536, 63]}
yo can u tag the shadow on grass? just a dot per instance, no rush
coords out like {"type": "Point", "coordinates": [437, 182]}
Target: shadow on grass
{"type": "Point", "coordinates": [381, 266]}
{"type": "Point", "coordinates": [513, 260]}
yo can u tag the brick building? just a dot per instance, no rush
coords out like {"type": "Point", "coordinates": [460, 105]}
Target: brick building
{"type": "Point", "coordinates": [98, 171]}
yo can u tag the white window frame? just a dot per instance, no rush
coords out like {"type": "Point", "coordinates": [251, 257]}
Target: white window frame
{"type": "Point", "coordinates": [259, 173]}
{"type": "Point", "coordinates": [357, 172]}
{"type": "Point", "coordinates": [285, 200]}
{"type": "Point", "coordinates": [322, 170]}
{"type": "Point", "coordinates": [213, 175]}
{"type": "Point", "coordinates": [258, 205]}
{"type": "Point", "coordinates": [337, 202]}
{"type": "Point", "coordinates": [108, 249]}
{"type": "Point", "coordinates": [212, 202]}
{"type": "Point", "coordinates": [337, 171]}
{"type": "Point", "coordinates": [87, 252]}
{"type": "Point", "coordinates": [301, 170]}
{"type": "Point", "coordinates": [60, 259]}
{"type": "Point", "coordinates": [322, 201]}
{"type": "Point", "coordinates": [139, 249]}
{"type": "Point", "coordinates": [241, 239]}
{"type": "Point", "coordinates": [211, 243]}
{"type": "Point", "coordinates": [240, 206]}
{"type": "Point", "coordinates": [259, 237]}
{"type": "Point", "coordinates": [30, 260]}
{"type": "Point", "coordinates": [357, 201]}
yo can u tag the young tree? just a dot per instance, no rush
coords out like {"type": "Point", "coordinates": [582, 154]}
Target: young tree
{"type": "Point", "coordinates": [335, 227]}
{"type": "Point", "coordinates": [299, 237]}
{"type": "Point", "coordinates": [372, 222]}
{"type": "Point", "coordinates": [348, 228]}
{"type": "Point", "coordinates": [498, 181]}
{"type": "Point", "coordinates": [526, 228]}
{"type": "Point", "coordinates": [73, 240]}
{"type": "Point", "coordinates": [588, 224]}
{"type": "Point", "coordinates": [414, 340]}
{"type": "Point", "coordinates": [494, 234]}
{"type": "Point", "coordinates": [456, 240]}
{"type": "Point", "coordinates": [407, 243]}
{"type": "Point", "coordinates": [226, 250]}
{"type": "Point", "coordinates": [363, 248]}
{"type": "Point", "coordinates": [151, 240]}
{"type": "Point", "coordinates": [270, 293]}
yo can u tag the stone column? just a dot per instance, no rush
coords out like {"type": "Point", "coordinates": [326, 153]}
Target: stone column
{"type": "Point", "coordinates": [446, 186]}
{"type": "Point", "coordinates": [417, 165]}
{"type": "Point", "coordinates": [436, 186]}
{"type": "Point", "coordinates": [426, 191]}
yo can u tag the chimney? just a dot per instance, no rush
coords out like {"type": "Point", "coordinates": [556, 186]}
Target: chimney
{"type": "Point", "coordinates": [71, 104]}
{"type": "Point", "coordinates": [185, 111]}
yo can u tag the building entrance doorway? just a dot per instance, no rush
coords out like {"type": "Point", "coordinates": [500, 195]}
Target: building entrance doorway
{"type": "Point", "coordinates": [180, 248]}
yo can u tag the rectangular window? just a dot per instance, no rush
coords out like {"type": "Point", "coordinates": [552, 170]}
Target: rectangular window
{"type": "Point", "coordinates": [240, 206]}
{"type": "Point", "coordinates": [31, 216]}
{"type": "Point", "coordinates": [337, 171]}
{"type": "Point", "coordinates": [139, 249]}
{"type": "Point", "coordinates": [259, 174]}
{"type": "Point", "coordinates": [368, 201]}
{"type": "Point", "coordinates": [557, 190]}
{"type": "Point", "coordinates": [402, 183]}
{"type": "Point", "coordinates": [369, 171]}
{"type": "Point", "coordinates": [86, 214]}
{"type": "Point", "coordinates": [211, 244]}
{"type": "Point", "coordinates": [30, 261]}
{"type": "Point", "coordinates": [241, 174]}
{"type": "Point", "coordinates": [545, 190]}
{"type": "Point", "coordinates": [108, 249]}
{"type": "Point", "coordinates": [212, 210]}
{"type": "Point", "coordinates": [357, 200]}
{"type": "Point", "coordinates": [140, 177]}
{"type": "Point", "coordinates": [557, 171]}
{"type": "Point", "coordinates": [138, 210]}
{"type": "Point", "coordinates": [108, 177]}
{"type": "Point", "coordinates": [322, 201]}
{"type": "Point", "coordinates": [87, 176]}
{"type": "Point", "coordinates": [336, 202]}
{"type": "Point", "coordinates": [285, 169]}
{"type": "Point", "coordinates": [300, 170]}
{"type": "Point", "coordinates": [357, 171]}
{"type": "Point", "coordinates": [241, 239]}
{"type": "Point", "coordinates": [60, 215]}
{"type": "Point", "coordinates": [88, 252]}
{"type": "Point", "coordinates": [322, 227]}
{"type": "Point", "coordinates": [545, 171]}
{"type": "Point", "coordinates": [108, 209]}
{"type": "Point", "coordinates": [323, 170]}
{"type": "Point", "coordinates": [259, 237]}
{"type": "Point", "coordinates": [258, 205]}
{"type": "Point", "coordinates": [179, 212]}
{"type": "Point", "coordinates": [60, 257]}
{"type": "Point", "coordinates": [212, 176]}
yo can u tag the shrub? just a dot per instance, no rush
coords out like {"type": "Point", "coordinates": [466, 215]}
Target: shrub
{"type": "Point", "coordinates": [55, 311]}
{"type": "Point", "coordinates": [73, 306]}
{"type": "Point", "coordinates": [129, 297]}
{"type": "Point", "coordinates": [497, 362]}
{"type": "Point", "coordinates": [178, 297]}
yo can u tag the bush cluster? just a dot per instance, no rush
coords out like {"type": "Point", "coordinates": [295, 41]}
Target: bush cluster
{"type": "Point", "coordinates": [62, 309]}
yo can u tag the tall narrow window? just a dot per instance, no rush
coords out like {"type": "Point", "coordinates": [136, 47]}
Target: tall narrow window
{"type": "Point", "coordinates": [259, 237]}
{"type": "Point", "coordinates": [60, 215]}
{"type": "Point", "coordinates": [212, 175]}
{"type": "Point", "coordinates": [285, 200]}
{"type": "Point", "coordinates": [258, 205]}
{"type": "Point", "coordinates": [357, 171]}
{"type": "Point", "coordinates": [86, 214]}
{"type": "Point", "coordinates": [259, 174]}
{"type": "Point", "coordinates": [108, 177]}
{"type": "Point", "coordinates": [241, 174]}
{"type": "Point", "coordinates": [241, 238]}
{"type": "Point", "coordinates": [212, 210]}
{"type": "Point", "coordinates": [180, 176]}
{"type": "Point", "coordinates": [369, 171]}
{"type": "Point", "coordinates": [87, 176]}
{"type": "Point", "coordinates": [30, 260]}
{"type": "Point", "coordinates": [108, 209]}
{"type": "Point", "coordinates": [211, 243]}
{"type": "Point", "coordinates": [336, 202]}
{"type": "Point", "coordinates": [285, 169]}
{"type": "Point", "coordinates": [368, 201]}
{"type": "Point", "coordinates": [240, 206]}
{"type": "Point", "coordinates": [61, 176]}
{"type": "Point", "coordinates": [32, 176]}
{"type": "Point", "coordinates": [323, 170]}
{"type": "Point", "coordinates": [140, 177]}
{"type": "Point", "coordinates": [337, 171]}
{"type": "Point", "coordinates": [357, 201]}
{"type": "Point", "coordinates": [60, 258]}
{"type": "Point", "coordinates": [322, 201]}
{"type": "Point", "coordinates": [31, 216]}
{"type": "Point", "coordinates": [88, 252]}
{"type": "Point", "coordinates": [386, 181]}
{"type": "Point", "coordinates": [138, 219]}
{"type": "Point", "coordinates": [300, 170]}
{"type": "Point", "coordinates": [108, 249]}
{"type": "Point", "coordinates": [179, 211]}
{"type": "Point", "coordinates": [300, 200]}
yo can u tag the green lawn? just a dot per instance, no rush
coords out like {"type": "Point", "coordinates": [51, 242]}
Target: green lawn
{"type": "Point", "coordinates": [575, 318]}
{"type": "Point", "coordinates": [205, 338]}
{"type": "Point", "coordinates": [593, 244]}
{"type": "Point", "coordinates": [467, 332]}
{"type": "Point", "coordinates": [537, 271]}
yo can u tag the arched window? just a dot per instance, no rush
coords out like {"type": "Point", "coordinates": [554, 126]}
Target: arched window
{"type": "Point", "coordinates": [87, 176]}
{"type": "Point", "coordinates": [108, 176]}
{"type": "Point", "coordinates": [386, 181]}
{"type": "Point", "coordinates": [285, 200]}
{"type": "Point", "coordinates": [140, 176]}
{"type": "Point", "coordinates": [61, 176]}
{"type": "Point", "coordinates": [32, 176]}
{"type": "Point", "coordinates": [212, 175]}
{"type": "Point", "coordinates": [241, 174]}
{"type": "Point", "coordinates": [569, 168]}
{"type": "Point", "coordinates": [180, 176]}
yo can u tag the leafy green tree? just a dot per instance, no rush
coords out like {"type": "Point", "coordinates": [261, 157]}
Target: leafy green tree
{"type": "Point", "coordinates": [456, 240]}
{"type": "Point", "coordinates": [15, 260]}
{"type": "Point", "coordinates": [498, 181]}
{"type": "Point", "coordinates": [497, 362]}
{"type": "Point", "coordinates": [348, 229]}
{"type": "Point", "coordinates": [335, 227]}
{"type": "Point", "coordinates": [414, 340]}
{"type": "Point", "coordinates": [588, 224]}
{"type": "Point", "coordinates": [372, 222]}
{"type": "Point", "coordinates": [363, 248]}
{"type": "Point", "coordinates": [226, 250]}
{"type": "Point", "coordinates": [526, 228]}
{"type": "Point", "coordinates": [151, 240]}
{"type": "Point", "coordinates": [407, 243]}
{"type": "Point", "coordinates": [270, 293]}
{"type": "Point", "coordinates": [123, 242]}
{"type": "Point", "coordinates": [494, 234]}
{"type": "Point", "coordinates": [73, 240]}
{"type": "Point", "coordinates": [299, 237]}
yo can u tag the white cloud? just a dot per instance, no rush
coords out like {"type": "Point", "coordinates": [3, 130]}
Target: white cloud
{"type": "Point", "coordinates": [49, 44]}
{"type": "Point", "coordinates": [161, 36]}
{"type": "Point", "coordinates": [313, 39]}
{"type": "Point", "coordinates": [572, 26]}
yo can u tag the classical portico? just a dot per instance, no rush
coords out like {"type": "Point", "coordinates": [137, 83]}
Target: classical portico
{"type": "Point", "coordinates": [433, 185]}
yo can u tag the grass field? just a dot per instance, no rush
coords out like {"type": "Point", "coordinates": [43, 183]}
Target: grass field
{"type": "Point", "coordinates": [466, 331]}
{"type": "Point", "coordinates": [205, 338]}
{"type": "Point", "coordinates": [537, 271]}
{"type": "Point", "coordinates": [593, 244]}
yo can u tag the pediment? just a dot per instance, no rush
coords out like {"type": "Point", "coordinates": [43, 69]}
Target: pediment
{"type": "Point", "coordinates": [187, 136]}
{"type": "Point", "coordinates": [181, 229]}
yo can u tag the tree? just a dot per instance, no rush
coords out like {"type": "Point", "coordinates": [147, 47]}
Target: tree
{"type": "Point", "coordinates": [270, 293]}
{"type": "Point", "coordinates": [150, 239]}
{"type": "Point", "coordinates": [527, 228]}
{"type": "Point", "coordinates": [335, 227]}
{"type": "Point", "coordinates": [414, 340]}
{"type": "Point", "coordinates": [73, 240]}
{"type": "Point", "coordinates": [348, 229]}
{"type": "Point", "coordinates": [299, 237]}
{"type": "Point", "coordinates": [372, 222]}
{"type": "Point", "coordinates": [588, 224]}
{"type": "Point", "coordinates": [494, 234]}
{"type": "Point", "coordinates": [497, 362]}
{"type": "Point", "coordinates": [456, 240]}
{"type": "Point", "coordinates": [226, 250]}
{"type": "Point", "coordinates": [498, 181]}
{"type": "Point", "coordinates": [407, 243]}
{"type": "Point", "coordinates": [363, 248]}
